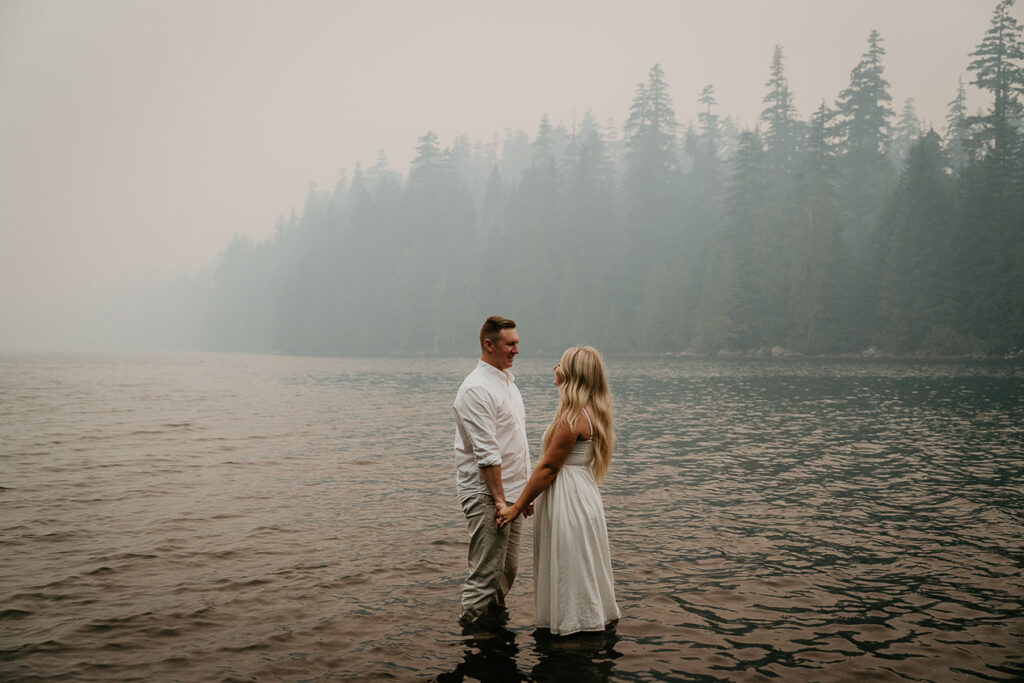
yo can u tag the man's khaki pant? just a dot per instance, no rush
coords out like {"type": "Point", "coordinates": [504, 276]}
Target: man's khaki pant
{"type": "Point", "coordinates": [493, 557]}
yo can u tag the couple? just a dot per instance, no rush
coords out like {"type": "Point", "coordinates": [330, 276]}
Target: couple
{"type": "Point", "coordinates": [573, 583]}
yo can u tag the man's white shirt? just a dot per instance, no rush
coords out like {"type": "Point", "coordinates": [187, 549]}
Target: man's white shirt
{"type": "Point", "coordinates": [490, 429]}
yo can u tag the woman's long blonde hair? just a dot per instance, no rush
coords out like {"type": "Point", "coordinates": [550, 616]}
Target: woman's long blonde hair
{"type": "Point", "coordinates": [586, 386]}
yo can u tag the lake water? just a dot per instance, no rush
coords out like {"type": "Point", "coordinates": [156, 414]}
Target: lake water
{"type": "Point", "coordinates": [247, 517]}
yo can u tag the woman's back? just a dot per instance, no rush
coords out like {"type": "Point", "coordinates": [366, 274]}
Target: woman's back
{"type": "Point", "coordinates": [582, 453]}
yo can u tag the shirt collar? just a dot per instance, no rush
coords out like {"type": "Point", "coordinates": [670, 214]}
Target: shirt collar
{"type": "Point", "coordinates": [495, 372]}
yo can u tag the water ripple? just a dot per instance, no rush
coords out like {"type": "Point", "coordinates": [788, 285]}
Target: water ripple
{"type": "Point", "coordinates": [219, 517]}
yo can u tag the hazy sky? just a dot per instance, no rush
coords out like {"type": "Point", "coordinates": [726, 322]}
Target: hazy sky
{"type": "Point", "coordinates": [139, 135]}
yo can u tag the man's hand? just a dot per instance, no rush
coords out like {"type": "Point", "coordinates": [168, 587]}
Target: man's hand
{"type": "Point", "coordinates": [528, 512]}
{"type": "Point", "coordinates": [507, 515]}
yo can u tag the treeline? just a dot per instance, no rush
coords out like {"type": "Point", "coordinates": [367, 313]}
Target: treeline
{"type": "Point", "coordinates": [852, 229]}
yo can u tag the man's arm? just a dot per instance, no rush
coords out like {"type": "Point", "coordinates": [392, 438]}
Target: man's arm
{"type": "Point", "coordinates": [476, 414]}
{"type": "Point", "coordinates": [492, 478]}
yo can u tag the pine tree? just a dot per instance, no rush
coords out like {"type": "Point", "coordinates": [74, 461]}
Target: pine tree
{"type": "Point", "coordinates": [543, 161]}
{"type": "Point", "coordinates": [743, 312]}
{"type": "Point", "coordinates": [781, 211]}
{"type": "Point", "coordinates": [867, 174]}
{"type": "Point", "coordinates": [708, 119]}
{"type": "Point", "coordinates": [994, 187]}
{"type": "Point", "coordinates": [381, 174]}
{"type": "Point", "coordinates": [650, 133]}
{"type": "Point", "coordinates": [591, 176]}
{"type": "Point", "coordinates": [918, 296]}
{"type": "Point", "coordinates": [998, 67]}
{"type": "Point", "coordinates": [863, 105]}
{"type": "Point", "coordinates": [429, 161]}
{"type": "Point", "coordinates": [703, 148]}
{"type": "Point", "coordinates": [958, 134]}
{"type": "Point", "coordinates": [906, 133]}
{"type": "Point", "coordinates": [781, 126]}
{"type": "Point", "coordinates": [650, 188]}
{"type": "Point", "coordinates": [459, 159]}
{"type": "Point", "coordinates": [819, 277]}
{"type": "Point", "coordinates": [822, 143]}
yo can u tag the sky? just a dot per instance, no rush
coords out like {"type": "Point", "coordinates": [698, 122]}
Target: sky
{"type": "Point", "coordinates": [139, 136]}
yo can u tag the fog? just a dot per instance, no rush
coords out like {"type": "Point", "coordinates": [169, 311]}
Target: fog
{"type": "Point", "coordinates": [236, 176]}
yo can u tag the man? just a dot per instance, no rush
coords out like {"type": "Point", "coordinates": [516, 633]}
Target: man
{"type": "Point", "coordinates": [492, 462]}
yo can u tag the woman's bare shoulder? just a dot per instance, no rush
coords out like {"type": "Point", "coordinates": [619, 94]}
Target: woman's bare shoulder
{"type": "Point", "coordinates": [581, 428]}
{"type": "Point", "coordinates": [565, 432]}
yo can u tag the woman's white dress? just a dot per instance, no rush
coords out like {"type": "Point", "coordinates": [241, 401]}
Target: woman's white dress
{"type": "Point", "coordinates": [573, 585]}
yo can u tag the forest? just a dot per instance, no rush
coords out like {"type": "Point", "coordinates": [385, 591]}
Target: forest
{"type": "Point", "coordinates": [853, 231]}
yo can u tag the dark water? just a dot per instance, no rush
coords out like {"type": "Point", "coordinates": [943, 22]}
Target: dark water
{"type": "Point", "coordinates": [218, 517]}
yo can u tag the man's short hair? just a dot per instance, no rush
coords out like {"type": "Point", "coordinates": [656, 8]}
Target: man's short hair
{"type": "Point", "coordinates": [493, 326]}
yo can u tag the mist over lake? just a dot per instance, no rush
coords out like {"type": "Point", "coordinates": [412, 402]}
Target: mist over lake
{"type": "Point", "coordinates": [666, 219]}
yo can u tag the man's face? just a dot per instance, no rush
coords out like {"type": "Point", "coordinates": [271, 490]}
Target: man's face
{"type": "Point", "coordinates": [503, 350]}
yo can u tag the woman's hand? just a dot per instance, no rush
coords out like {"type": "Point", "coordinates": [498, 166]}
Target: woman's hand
{"type": "Point", "coordinates": [507, 515]}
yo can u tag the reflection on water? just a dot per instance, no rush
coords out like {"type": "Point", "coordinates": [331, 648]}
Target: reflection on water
{"type": "Point", "coordinates": [218, 517]}
{"type": "Point", "coordinates": [585, 657]}
{"type": "Point", "coordinates": [491, 653]}
{"type": "Point", "coordinates": [488, 654]}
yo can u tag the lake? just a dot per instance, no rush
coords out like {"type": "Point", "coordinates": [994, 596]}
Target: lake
{"type": "Point", "coordinates": [250, 517]}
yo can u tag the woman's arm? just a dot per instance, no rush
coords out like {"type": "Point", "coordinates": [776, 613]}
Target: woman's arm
{"type": "Point", "coordinates": [563, 438]}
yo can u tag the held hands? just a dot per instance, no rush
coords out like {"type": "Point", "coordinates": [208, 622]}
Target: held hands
{"type": "Point", "coordinates": [506, 515]}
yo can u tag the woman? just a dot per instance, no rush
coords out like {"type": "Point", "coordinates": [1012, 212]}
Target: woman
{"type": "Point", "coordinates": [573, 585]}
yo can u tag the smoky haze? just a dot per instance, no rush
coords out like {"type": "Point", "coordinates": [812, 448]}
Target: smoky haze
{"type": "Point", "coordinates": [323, 177]}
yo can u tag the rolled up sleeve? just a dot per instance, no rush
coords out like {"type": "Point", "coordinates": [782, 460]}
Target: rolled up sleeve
{"type": "Point", "coordinates": [476, 415]}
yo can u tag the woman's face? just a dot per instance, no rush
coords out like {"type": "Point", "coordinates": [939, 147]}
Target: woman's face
{"type": "Point", "coordinates": [559, 377]}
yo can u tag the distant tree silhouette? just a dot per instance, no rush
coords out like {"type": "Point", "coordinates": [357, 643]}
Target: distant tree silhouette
{"type": "Point", "coordinates": [823, 235]}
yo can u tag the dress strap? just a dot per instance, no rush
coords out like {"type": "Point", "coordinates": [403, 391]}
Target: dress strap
{"type": "Point", "coordinates": [589, 423]}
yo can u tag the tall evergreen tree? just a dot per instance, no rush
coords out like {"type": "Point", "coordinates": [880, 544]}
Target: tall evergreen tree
{"type": "Point", "coordinates": [703, 147]}
{"type": "Point", "coordinates": [708, 118]}
{"type": "Point", "coordinates": [650, 136]}
{"type": "Point", "coordinates": [819, 275]}
{"type": "Point", "coordinates": [459, 158]}
{"type": "Point", "coordinates": [906, 133]}
{"type": "Point", "coordinates": [737, 311]}
{"type": "Point", "coordinates": [543, 161]}
{"type": "Point", "coordinates": [781, 125]}
{"type": "Point", "coordinates": [918, 296]}
{"type": "Point", "coordinates": [998, 67]}
{"type": "Point", "coordinates": [958, 134]}
{"type": "Point", "coordinates": [994, 186]}
{"type": "Point", "coordinates": [867, 174]}
{"type": "Point", "coordinates": [429, 161]}
{"type": "Point", "coordinates": [863, 106]}
{"type": "Point", "coordinates": [651, 191]}
{"type": "Point", "coordinates": [591, 181]}
{"type": "Point", "coordinates": [781, 210]}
